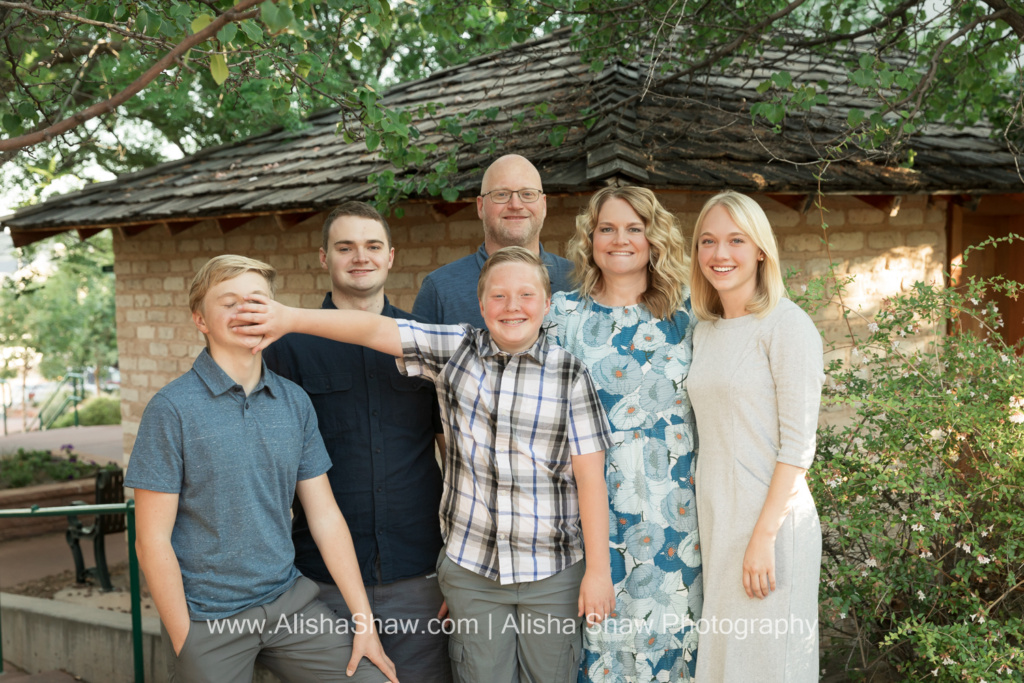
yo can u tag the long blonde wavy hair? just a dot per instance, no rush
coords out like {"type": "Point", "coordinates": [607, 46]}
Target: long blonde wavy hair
{"type": "Point", "coordinates": [669, 270]}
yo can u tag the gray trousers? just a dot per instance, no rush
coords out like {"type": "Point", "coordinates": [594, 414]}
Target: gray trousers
{"type": "Point", "coordinates": [406, 615]}
{"type": "Point", "coordinates": [513, 633]}
{"type": "Point", "coordinates": [295, 636]}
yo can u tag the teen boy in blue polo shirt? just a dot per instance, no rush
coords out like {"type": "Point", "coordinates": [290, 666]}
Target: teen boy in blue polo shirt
{"type": "Point", "coordinates": [379, 427]}
{"type": "Point", "coordinates": [524, 470]}
{"type": "Point", "coordinates": [221, 451]}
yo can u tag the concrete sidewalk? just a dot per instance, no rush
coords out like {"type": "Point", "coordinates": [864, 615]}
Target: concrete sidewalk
{"type": "Point", "coordinates": [101, 443]}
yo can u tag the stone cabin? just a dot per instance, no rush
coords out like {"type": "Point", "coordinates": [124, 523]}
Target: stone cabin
{"type": "Point", "coordinates": [266, 196]}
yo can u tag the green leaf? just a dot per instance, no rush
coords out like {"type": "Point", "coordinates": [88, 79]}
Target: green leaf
{"type": "Point", "coordinates": [304, 65]}
{"type": "Point", "coordinates": [372, 140]}
{"type": "Point", "coordinates": [855, 117]}
{"type": "Point", "coordinates": [227, 33]}
{"type": "Point", "coordinates": [141, 21]}
{"type": "Point", "coordinates": [252, 31]}
{"type": "Point", "coordinates": [557, 136]}
{"type": "Point", "coordinates": [219, 68]}
{"type": "Point", "coordinates": [782, 79]}
{"type": "Point", "coordinates": [450, 194]}
{"type": "Point", "coordinates": [201, 22]}
{"type": "Point", "coordinates": [764, 86]}
{"type": "Point", "coordinates": [276, 17]}
{"type": "Point", "coordinates": [27, 111]}
{"type": "Point", "coordinates": [12, 124]}
{"type": "Point", "coordinates": [470, 136]}
{"type": "Point", "coordinates": [356, 50]}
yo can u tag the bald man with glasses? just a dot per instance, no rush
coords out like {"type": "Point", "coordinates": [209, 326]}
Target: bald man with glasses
{"type": "Point", "coordinates": [512, 206]}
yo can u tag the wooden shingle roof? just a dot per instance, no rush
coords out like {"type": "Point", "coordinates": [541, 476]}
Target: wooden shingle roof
{"type": "Point", "coordinates": [693, 134]}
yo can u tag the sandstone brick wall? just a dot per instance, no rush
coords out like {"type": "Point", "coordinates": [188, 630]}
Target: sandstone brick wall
{"type": "Point", "coordinates": [157, 341]}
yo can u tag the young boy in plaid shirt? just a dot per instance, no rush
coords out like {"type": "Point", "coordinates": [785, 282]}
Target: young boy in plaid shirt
{"type": "Point", "coordinates": [524, 469]}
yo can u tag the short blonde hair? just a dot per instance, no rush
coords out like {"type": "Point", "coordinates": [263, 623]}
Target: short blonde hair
{"type": "Point", "coordinates": [513, 255]}
{"type": "Point", "coordinates": [669, 268]}
{"type": "Point", "coordinates": [751, 219]}
{"type": "Point", "coordinates": [221, 268]}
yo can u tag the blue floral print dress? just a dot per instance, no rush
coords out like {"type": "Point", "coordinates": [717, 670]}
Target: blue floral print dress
{"type": "Point", "coordinates": [639, 364]}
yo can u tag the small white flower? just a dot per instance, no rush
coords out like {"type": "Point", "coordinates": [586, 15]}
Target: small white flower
{"type": "Point", "coordinates": [1003, 357]}
{"type": "Point", "coordinates": [974, 301]}
{"type": "Point", "coordinates": [904, 518]}
{"type": "Point", "coordinates": [920, 595]}
{"type": "Point", "coordinates": [863, 572]}
{"type": "Point", "coordinates": [872, 327]}
{"type": "Point", "coordinates": [871, 562]}
{"type": "Point", "coordinates": [803, 289]}
{"type": "Point", "coordinates": [947, 661]}
{"type": "Point", "coordinates": [926, 554]}
{"type": "Point", "coordinates": [983, 560]}
{"type": "Point", "coordinates": [895, 344]}
{"type": "Point", "coordinates": [936, 515]}
{"type": "Point", "coordinates": [935, 671]}
{"type": "Point", "coordinates": [1017, 417]}
{"type": "Point", "coordinates": [842, 615]}
{"type": "Point", "coordinates": [967, 549]}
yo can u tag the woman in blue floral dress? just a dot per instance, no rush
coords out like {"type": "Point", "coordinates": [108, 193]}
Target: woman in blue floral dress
{"type": "Point", "coordinates": [630, 321]}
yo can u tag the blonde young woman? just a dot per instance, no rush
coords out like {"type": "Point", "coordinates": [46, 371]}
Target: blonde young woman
{"type": "Point", "coordinates": [630, 321]}
{"type": "Point", "coordinates": [756, 386]}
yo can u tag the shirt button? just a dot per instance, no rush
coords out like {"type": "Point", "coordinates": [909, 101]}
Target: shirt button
{"type": "Point", "coordinates": [375, 413]}
{"type": "Point", "coordinates": [371, 375]}
{"type": "Point", "coordinates": [246, 405]}
{"type": "Point", "coordinates": [502, 537]}
{"type": "Point", "coordinates": [376, 450]}
{"type": "Point", "coordinates": [379, 489]}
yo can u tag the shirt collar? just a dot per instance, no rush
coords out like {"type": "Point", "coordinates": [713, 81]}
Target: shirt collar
{"type": "Point", "coordinates": [538, 352]}
{"type": "Point", "coordinates": [328, 304]}
{"type": "Point", "coordinates": [218, 382]}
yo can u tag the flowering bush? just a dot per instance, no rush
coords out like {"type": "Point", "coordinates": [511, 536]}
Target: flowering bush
{"type": "Point", "coordinates": [921, 495]}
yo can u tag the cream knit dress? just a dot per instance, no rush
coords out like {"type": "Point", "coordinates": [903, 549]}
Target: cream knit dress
{"type": "Point", "coordinates": [755, 385]}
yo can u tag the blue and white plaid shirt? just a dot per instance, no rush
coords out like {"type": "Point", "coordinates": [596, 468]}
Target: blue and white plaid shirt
{"type": "Point", "coordinates": [512, 423]}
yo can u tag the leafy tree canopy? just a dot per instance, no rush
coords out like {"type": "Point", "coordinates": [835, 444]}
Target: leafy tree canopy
{"type": "Point", "coordinates": [120, 83]}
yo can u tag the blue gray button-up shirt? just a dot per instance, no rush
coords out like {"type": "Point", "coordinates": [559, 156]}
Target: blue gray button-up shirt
{"type": "Point", "coordinates": [379, 427]}
{"type": "Point", "coordinates": [234, 461]}
{"type": "Point", "coordinates": [448, 295]}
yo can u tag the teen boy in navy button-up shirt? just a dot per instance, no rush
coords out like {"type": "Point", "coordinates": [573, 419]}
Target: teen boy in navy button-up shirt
{"type": "Point", "coordinates": [379, 427]}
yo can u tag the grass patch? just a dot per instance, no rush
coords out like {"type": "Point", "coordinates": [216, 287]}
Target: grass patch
{"type": "Point", "coordinates": [99, 410]}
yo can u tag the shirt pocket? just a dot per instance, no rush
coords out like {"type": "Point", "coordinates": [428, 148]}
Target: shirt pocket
{"type": "Point", "coordinates": [330, 394]}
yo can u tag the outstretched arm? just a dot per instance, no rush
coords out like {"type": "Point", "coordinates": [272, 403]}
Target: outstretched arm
{"type": "Point", "coordinates": [272, 320]}
{"type": "Point", "coordinates": [597, 595]}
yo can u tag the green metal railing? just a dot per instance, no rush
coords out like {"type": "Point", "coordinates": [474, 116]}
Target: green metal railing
{"type": "Point", "coordinates": [46, 416]}
{"type": "Point", "coordinates": [128, 509]}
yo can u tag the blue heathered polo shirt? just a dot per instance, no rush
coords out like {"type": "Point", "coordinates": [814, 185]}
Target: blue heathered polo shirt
{"type": "Point", "coordinates": [448, 295]}
{"type": "Point", "coordinates": [234, 461]}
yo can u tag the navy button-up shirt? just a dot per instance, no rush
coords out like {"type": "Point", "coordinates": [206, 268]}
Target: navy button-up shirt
{"type": "Point", "coordinates": [379, 428]}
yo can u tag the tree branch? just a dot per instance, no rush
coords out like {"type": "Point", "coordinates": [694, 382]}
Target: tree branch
{"type": "Point", "coordinates": [236, 13]}
{"type": "Point", "coordinates": [1011, 16]}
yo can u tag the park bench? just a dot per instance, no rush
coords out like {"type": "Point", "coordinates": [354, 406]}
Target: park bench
{"type": "Point", "coordinates": [109, 489]}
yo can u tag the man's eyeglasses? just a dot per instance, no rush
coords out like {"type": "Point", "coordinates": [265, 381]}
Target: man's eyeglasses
{"type": "Point", "coordinates": [505, 196]}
